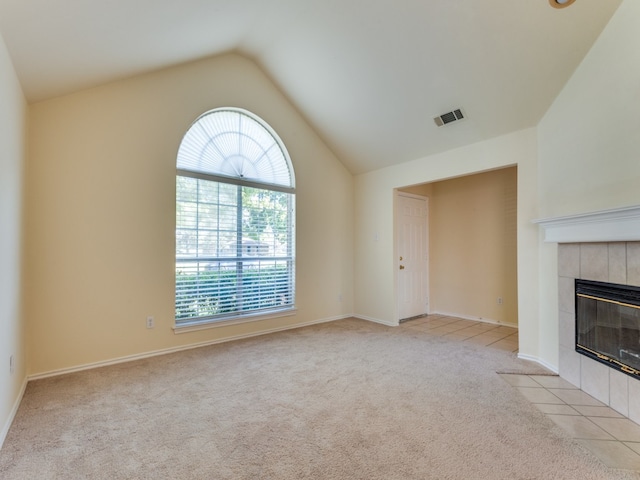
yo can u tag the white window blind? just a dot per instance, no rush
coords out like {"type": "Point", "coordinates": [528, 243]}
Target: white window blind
{"type": "Point", "coordinates": [235, 232]}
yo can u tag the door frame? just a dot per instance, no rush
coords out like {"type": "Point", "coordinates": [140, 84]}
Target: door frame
{"type": "Point", "coordinates": [396, 257]}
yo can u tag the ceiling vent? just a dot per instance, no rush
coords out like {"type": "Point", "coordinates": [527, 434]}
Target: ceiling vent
{"type": "Point", "coordinates": [449, 117]}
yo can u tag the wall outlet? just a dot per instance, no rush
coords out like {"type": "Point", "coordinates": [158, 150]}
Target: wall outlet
{"type": "Point", "coordinates": [340, 297]}
{"type": "Point", "coordinates": [151, 322]}
{"type": "Point", "coordinates": [12, 365]}
{"type": "Point", "coordinates": [499, 300]}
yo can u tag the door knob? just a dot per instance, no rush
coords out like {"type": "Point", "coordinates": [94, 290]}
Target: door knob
{"type": "Point", "coordinates": [401, 267]}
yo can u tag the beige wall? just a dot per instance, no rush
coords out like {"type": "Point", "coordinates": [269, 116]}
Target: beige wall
{"type": "Point", "coordinates": [588, 144]}
{"type": "Point", "coordinates": [100, 203]}
{"type": "Point", "coordinates": [375, 279]}
{"type": "Point", "coordinates": [13, 112]}
{"type": "Point", "coordinates": [101, 213]}
{"type": "Point", "coordinates": [473, 254]}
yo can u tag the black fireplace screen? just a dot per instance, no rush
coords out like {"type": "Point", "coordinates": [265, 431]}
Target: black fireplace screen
{"type": "Point", "coordinates": [608, 324]}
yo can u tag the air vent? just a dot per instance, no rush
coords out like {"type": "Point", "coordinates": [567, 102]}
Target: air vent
{"type": "Point", "coordinates": [449, 117]}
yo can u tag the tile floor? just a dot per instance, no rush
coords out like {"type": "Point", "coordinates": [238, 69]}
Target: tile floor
{"type": "Point", "coordinates": [611, 437]}
{"type": "Point", "coordinates": [480, 333]}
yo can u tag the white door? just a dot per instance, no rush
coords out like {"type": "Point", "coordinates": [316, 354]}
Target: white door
{"type": "Point", "coordinates": [413, 255]}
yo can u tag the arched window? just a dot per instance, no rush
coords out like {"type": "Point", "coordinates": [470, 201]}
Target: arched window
{"type": "Point", "coordinates": [235, 220]}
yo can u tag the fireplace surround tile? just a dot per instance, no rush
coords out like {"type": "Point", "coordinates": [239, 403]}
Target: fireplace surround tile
{"type": "Point", "coordinates": [569, 365]}
{"type": "Point", "coordinates": [606, 247]}
{"type": "Point", "coordinates": [633, 263]}
{"type": "Point", "coordinates": [566, 299]}
{"type": "Point", "coordinates": [594, 379]}
{"type": "Point", "coordinates": [569, 260]}
{"type": "Point", "coordinates": [567, 330]}
{"type": "Point", "coordinates": [619, 392]}
{"type": "Point", "coordinates": [594, 261]}
{"type": "Point", "coordinates": [634, 400]}
{"type": "Point", "coordinates": [618, 262]}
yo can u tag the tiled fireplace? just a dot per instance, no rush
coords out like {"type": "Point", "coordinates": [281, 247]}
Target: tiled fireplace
{"type": "Point", "coordinates": [603, 247]}
{"type": "Point", "coordinates": [615, 262]}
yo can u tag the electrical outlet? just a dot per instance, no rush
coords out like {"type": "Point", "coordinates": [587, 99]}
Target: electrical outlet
{"type": "Point", "coordinates": [151, 322]}
{"type": "Point", "coordinates": [340, 297]}
{"type": "Point", "coordinates": [499, 300]}
{"type": "Point", "coordinates": [12, 366]}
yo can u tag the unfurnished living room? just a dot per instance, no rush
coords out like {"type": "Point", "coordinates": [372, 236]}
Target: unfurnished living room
{"type": "Point", "coordinates": [261, 239]}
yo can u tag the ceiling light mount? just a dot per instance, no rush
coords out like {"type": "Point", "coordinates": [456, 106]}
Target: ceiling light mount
{"type": "Point", "coordinates": [560, 3]}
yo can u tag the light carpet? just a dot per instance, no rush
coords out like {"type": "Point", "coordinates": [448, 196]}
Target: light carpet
{"type": "Point", "coordinates": [344, 400]}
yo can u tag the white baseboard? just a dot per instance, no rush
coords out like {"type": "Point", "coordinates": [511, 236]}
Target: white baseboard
{"type": "Point", "coordinates": [539, 361]}
{"type": "Point", "coordinates": [376, 320]}
{"type": "Point", "coordinates": [12, 414]}
{"type": "Point", "coordinates": [476, 319]}
{"type": "Point", "coordinates": [165, 351]}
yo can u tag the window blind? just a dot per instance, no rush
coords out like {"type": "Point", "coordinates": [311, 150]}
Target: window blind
{"type": "Point", "coordinates": [234, 240]}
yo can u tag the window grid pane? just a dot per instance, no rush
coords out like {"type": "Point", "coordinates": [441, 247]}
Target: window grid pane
{"type": "Point", "coordinates": [219, 276]}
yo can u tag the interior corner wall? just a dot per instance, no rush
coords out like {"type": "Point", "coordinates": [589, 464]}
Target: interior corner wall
{"type": "Point", "coordinates": [12, 164]}
{"type": "Point", "coordinates": [375, 278]}
{"type": "Point", "coordinates": [101, 213]}
{"type": "Point", "coordinates": [588, 138]}
{"type": "Point", "coordinates": [588, 148]}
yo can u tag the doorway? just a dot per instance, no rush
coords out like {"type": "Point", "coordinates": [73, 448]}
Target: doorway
{"type": "Point", "coordinates": [472, 246]}
{"type": "Point", "coordinates": [412, 214]}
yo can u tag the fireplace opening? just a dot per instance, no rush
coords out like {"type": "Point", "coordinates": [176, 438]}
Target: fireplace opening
{"type": "Point", "coordinates": [608, 324]}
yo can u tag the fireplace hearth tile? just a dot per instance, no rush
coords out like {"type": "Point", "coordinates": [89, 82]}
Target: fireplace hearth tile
{"type": "Point", "coordinates": [613, 454]}
{"type": "Point", "coordinates": [519, 380]}
{"type": "Point", "coordinates": [553, 381]}
{"type": "Point", "coordinates": [580, 427]}
{"type": "Point", "coordinates": [588, 411]}
{"type": "Point", "coordinates": [576, 397]}
{"type": "Point", "coordinates": [622, 429]}
{"type": "Point", "coordinates": [579, 422]}
{"type": "Point", "coordinates": [556, 409]}
{"type": "Point", "coordinates": [539, 395]}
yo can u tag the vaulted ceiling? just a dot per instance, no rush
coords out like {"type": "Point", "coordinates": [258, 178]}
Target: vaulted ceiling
{"type": "Point", "coordinates": [368, 75]}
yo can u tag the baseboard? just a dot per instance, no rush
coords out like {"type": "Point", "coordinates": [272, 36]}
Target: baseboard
{"type": "Point", "coordinates": [376, 320]}
{"type": "Point", "coordinates": [155, 353]}
{"type": "Point", "coordinates": [476, 319]}
{"type": "Point", "coordinates": [539, 361]}
{"type": "Point", "coordinates": [12, 414]}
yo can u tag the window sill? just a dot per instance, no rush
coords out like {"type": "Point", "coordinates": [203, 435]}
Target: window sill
{"type": "Point", "coordinates": [198, 325]}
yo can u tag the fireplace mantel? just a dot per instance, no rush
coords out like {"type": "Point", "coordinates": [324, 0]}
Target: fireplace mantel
{"type": "Point", "coordinates": [615, 225]}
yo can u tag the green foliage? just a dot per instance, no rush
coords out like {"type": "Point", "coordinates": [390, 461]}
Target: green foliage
{"type": "Point", "coordinates": [218, 292]}
{"type": "Point", "coordinates": [216, 220]}
{"type": "Point", "coordinates": [262, 209]}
